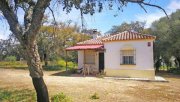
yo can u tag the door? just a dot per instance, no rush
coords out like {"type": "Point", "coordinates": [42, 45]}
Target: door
{"type": "Point", "coordinates": [101, 62]}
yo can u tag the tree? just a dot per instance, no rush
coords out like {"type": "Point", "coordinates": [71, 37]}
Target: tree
{"type": "Point", "coordinates": [167, 38]}
{"type": "Point", "coordinates": [9, 47]}
{"type": "Point", "coordinates": [52, 41]}
{"type": "Point", "coordinates": [135, 26]}
{"type": "Point", "coordinates": [27, 32]}
{"type": "Point", "coordinates": [26, 35]}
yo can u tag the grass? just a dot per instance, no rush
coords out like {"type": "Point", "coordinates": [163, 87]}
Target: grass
{"type": "Point", "coordinates": [94, 96]}
{"type": "Point", "coordinates": [52, 66]}
{"type": "Point", "coordinates": [13, 64]}
{"type": "Point", "coordinates": [24, 95]}
{"type": "Point", "coordinates": [59, 65]}
{"type": "Point", "coordinates": [61, 97]}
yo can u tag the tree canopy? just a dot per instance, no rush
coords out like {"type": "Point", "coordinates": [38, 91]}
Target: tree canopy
{"type": "Point", "coordinates": [168, 39]}
{"type": "Point", "coordinates": [135, 26]}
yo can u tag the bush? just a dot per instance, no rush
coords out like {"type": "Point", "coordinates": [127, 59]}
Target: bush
{"type": "Point", "coordinates": [61, 97]}
{"type": "Point", "coordinates": [94, 96]}
{"type": "Point", "coordinates": [14, 64]}
{"type": "Point", "coordinates": [61, 63]}
{"type": "Point", "coordinates": [10, 58]}
{"type": "Point", "coordinates": [174, 70]}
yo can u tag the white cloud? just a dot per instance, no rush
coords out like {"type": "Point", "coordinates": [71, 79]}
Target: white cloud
{"type": "Point", "coordinates": [151, 17]}
{"type": "Point", "coordinates": [3, 36]}
{"type": "Point", "coordinates": [175, 4]}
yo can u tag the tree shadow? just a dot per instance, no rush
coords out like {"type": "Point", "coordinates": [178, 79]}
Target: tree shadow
{"type": "Point", "coordinates": [166, 74]}
{"type": "Point", "coordinates": [71, 73]}
{"type": "Point", "coordinates": [62, 73]}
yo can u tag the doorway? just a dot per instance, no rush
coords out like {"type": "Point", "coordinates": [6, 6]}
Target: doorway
{"type": "Point", "coordinates": [101, 62]}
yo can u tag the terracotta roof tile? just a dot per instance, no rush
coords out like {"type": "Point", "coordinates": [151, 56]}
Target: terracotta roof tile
{"type": "Point", "coordinates": [95, 41]}
{"type": "Point", "coordinates": [126, 35]}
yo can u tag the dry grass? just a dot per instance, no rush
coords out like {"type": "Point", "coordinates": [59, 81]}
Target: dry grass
{"type": "Point", "coordinates": [80, 89]}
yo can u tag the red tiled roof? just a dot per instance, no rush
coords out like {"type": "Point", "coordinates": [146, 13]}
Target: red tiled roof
{"type": "Point", "coordinates": [86, 47]}
{"type": "Point", "coordinates": [95, 41]}
{"type": "Point", "coordinates": [123, 36]}
{"type": "Point", "coordinates": [128, 35]}
{"type": "Point", "coordinates": [91, 41]}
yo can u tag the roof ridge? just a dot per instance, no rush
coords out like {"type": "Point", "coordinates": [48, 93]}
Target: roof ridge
{"type": "Point", "coordinates": [118, 33]}
{"type": "Point", "coordinates": [120, 36]}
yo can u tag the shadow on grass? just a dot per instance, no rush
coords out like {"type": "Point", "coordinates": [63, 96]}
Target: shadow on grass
{"type": "Point", "coordinates": [53, 68]}
{"type": "Point", "coordinates": [165, 74]}
{"type": "Point", "coordinates": [63, 73]}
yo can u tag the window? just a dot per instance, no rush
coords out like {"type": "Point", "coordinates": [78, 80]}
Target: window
{"type": "Point", "coordinates": [127, 57]}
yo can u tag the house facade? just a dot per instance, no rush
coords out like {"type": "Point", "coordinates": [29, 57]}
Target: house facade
{"type": "Point", "coordinates": [125, 54]}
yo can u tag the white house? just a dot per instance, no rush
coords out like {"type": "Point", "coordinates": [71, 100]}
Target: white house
{"type": "Point", "coordinates": [125, 54]}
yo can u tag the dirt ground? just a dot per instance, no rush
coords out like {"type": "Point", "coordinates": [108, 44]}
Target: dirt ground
{"type": "Point", "coordinates": [109, 90]}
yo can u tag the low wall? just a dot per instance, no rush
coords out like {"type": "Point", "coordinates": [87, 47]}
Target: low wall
{"type": "Point", "coordinates": [150, 74]}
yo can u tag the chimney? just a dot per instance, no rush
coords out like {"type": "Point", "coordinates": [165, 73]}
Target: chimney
{"type": "Point", "coordinates": [95, 34]}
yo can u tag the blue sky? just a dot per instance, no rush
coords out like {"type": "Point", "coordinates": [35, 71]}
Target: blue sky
{"type": "Point", "coordinates": [105, 20]}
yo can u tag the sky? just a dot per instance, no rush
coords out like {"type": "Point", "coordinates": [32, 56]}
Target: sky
{"type": "Point", "coordinates": [106, 19]}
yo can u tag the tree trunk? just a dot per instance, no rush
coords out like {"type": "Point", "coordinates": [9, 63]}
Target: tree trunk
{"type": "Point", "coordinates": [178, 59]}
{"type": "Point", "coordinates": [41, 89]}
{"type": "Point", "coordinates": [35, 68]}
{"type": "Point", "coordinates": [45, 59]}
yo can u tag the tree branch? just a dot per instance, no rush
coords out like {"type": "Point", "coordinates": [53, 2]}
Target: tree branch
{"type": "Point", "coordinates": [37, 16]}
{"type": "Point", "coordinates": [148, 4]}
{"type": "Point", "coordinates": [28, 15]}
{"type": "Point", "coordinates": [142, 7]}
{"type": "Point", "coordinates": [52, 15]}
{"type": "Point", "coordinates": [11, 19]}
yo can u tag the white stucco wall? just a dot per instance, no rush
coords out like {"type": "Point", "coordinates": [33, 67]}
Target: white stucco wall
{"type": "Point", "coordinates": [144, 54]}
{"type": "Point", "coordinates": [81, 58]}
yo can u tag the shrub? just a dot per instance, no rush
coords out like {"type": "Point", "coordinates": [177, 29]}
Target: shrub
{"type": "Point", "coordinates": [94, 96]}
{"type": "Point", "coordinates": [61, 97]}
{"type": "Point", "coordinates": [10, 58]}
{"type": "Point", "coordinates": [174, 70]}
{"type": "Point", "coordinates": [61, 63]}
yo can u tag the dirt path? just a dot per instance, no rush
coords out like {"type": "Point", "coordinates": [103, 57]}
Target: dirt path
{"type": "Point", "coordinates": [81, 88]}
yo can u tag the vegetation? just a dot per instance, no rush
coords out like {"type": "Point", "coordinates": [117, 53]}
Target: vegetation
{"type": "Point", "coordinates": [53, 65]}
{"type": "Point", "coordinates": [61, 97]}
{"type": "Point", "coordinates": [13, 65]}
{"type": "Point", "coordinates": [135, 26]}
{"type": "Point", "coordinates": [52, 41]}
{"type": "Point", "coordinates": [25, 95]}
{"type": "Point", "coordinates": [167, 50]}
{"type": "Point", "coordinates": [60, 65]}
{"type": "Point", "coordinates": [95, 96]}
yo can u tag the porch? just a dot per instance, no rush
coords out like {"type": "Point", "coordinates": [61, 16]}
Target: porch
{"type": "Point", "coordinates": [90, 58]}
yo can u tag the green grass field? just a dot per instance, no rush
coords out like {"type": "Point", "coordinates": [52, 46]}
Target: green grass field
{"type": "Point", "coordinates": [52, 65]}
{"type": "Point", "coordinates": [24, 95]}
